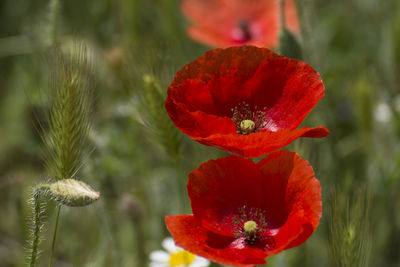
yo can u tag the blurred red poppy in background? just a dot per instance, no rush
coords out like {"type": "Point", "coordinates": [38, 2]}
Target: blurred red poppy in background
{"type": "Point", "coordinates": [246, 100]}
{"type": "Point", "coordinates": [244, 212]}
{"type": "Point", "coordinates": [223, 23]}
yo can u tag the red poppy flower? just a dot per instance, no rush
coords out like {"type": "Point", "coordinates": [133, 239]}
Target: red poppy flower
{"type": "Point", "coordinates": [244, 212]}
{"type": "Point", "coordinates": [223, 23]}
{"type": "Point", "coordinates": [246, 100]}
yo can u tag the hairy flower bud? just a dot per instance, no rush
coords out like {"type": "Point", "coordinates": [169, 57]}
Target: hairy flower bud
{"type": "Point", "coordinates": [73, 193]}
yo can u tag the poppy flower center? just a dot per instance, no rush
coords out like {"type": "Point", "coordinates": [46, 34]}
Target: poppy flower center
{"type": "Point", "coordinates": [242, 32]}
{"type": "Point", "coordinates": [246, 120]}
{"type": "Point", "coordinates": [247, 126]}
{"type": "Point", "coordinates": [250, 224]}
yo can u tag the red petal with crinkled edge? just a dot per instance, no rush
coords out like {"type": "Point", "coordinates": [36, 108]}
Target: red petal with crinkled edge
{"type": "Point", "coordinates": [219, 188]}
{"type": "Point", "coordinates": [282, 186]}
{"type": "Point", "coordinates": [292, 196]}
{"type": "Point", "coordinates": [222, 78]}
{"type": "Point", "coordinates": [215, 22]}
{"type": "Point", "coordinates": [204, 92]}
{"type": "Point", "coordinates": [261, 143]}
{"type": "Point", "coordinates": [189, 234]}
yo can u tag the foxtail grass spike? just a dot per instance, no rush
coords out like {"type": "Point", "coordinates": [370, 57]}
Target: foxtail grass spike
{"type": "Point", "coordinates": [349, 237]}
{"type": "Point", "coordinates": [156, 119]}
{"type": "Point", "coordinates": [69, 116]}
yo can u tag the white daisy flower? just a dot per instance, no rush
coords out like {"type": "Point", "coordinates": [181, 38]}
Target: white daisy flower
{"type": "Point", "coordinates": [175, 257]}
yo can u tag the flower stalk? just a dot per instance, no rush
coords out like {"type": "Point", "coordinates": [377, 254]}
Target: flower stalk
{"type": "Point", "coordinates": [282, 4]}
{"type": "Point", "coordinates": [289, 45]}
{"type": "Point", "coordinates": [54, 10]}
{"type": "Point", "coordinates": [36, 227]}
{"type": "Point", "coordinates": [53, 242]}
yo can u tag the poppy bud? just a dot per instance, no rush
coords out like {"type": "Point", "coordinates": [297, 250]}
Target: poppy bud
{"type": "Point", "coordinates": [73, 193]}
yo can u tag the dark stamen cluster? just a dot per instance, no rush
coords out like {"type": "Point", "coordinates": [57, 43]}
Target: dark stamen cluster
{"type": "Point", "coordinates": [244, 215]}
{"type": "Point", "coordinates": [244, 27]}
{"type": "Point", "coordinates": [243, 112]}
{"type": "Point", "coordinates": [252, 237]}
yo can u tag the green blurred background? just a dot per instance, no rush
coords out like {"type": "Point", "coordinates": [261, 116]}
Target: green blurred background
{"type": "Point", "coordinates": [140, 161]}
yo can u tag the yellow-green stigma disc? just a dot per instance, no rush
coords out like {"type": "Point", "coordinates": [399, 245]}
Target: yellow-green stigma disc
{"type": "Point", "coordinates": [247, 126]}
{"type": "Point", "coordinates": [250, 226]}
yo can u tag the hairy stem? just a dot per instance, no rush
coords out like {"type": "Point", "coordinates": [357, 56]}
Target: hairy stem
{"type": "Point", "coordinates": [37, 224]}
{"type": "Point", "coordinates": [36, 229]}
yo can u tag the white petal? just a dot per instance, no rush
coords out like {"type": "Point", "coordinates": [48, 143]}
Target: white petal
{"type": "Point", "coordinates": [169, 245]}
{"type": "Point", "coordinates": [159, 256]}
{"type": "Point", "coordinates": [200, 262]}
{"type": "Point", "coordinates": [157, 264]}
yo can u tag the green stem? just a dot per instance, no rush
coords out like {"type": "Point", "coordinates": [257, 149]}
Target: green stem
{"type": "Point", "coordinates": [53, 244]}
{"type": "Point", "coordinates": [54, 8]}
{"type": "Point", "coordinates": [282, 14]}
{"type": "Point", "coordinates": [139, 234]}
{"type": "Point", "coordinates": [180, 185]}
{"type": "Point", "coordinates": [36, 228]}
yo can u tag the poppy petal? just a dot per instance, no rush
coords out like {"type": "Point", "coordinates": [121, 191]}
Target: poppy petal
{"type": "Point", "coordinates": [261, 143]}
{"type": "Point", "coordinates": [209, 36]}
{"type": "Point", "coordinates": [192, 123]}
{"type": "Point", "coordinates": [204, 94]}
{"type": "Point", "coordinates": [220, 22]}
{"type": "Point", "coordinates": [292, 196]}
{"type": "Point", "coordinates": [279, 194]}
{"type": "Point", "coordinates": [219, 188]}
{"type": "Point", "coordinates": [287, 88]}
{"type": "Point", "coordinates": [189, 234]}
